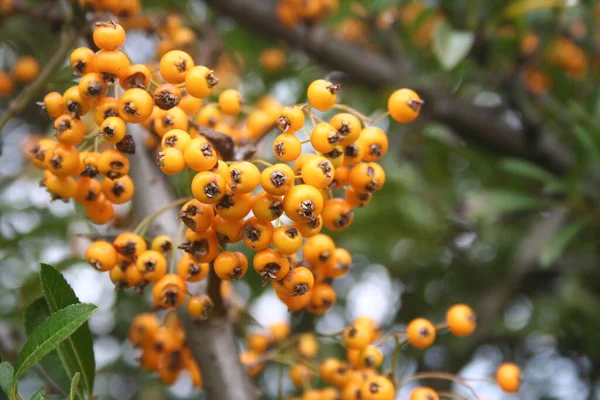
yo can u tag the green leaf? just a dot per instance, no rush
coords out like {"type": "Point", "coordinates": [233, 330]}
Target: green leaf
{"type": "Point", "coordinates": [74, 383]}
{"type": "Point", "coordinates": [528, 170]}
{"type": "Point", "coordinates": [6, 377]}
{"type": "Point", "coordinates": [450, 47]}
{"type": "Point", "coordinates": [518, 8]}
{"type": "Point", "coordinates": [586, 139]}
{"type": "Point", "coordinates": [77, 353]}
{"type": "Point", "coordinates": [555, 247]}
{"type": "Point", "coordinates": [510, 201]}
{"type": "Point", "coordinates": [36, 313]}
{"type": "Point", "coordinates": [46, 337]}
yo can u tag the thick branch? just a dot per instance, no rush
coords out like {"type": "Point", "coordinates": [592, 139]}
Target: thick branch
{"type": "Point", "coordinates": [212, 342]}
{"type": "Point", "coordinates": [479, 125]}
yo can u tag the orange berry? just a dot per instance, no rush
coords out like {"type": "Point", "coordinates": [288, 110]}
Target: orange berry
{"type": "Point", "coordinates": [404, 105]}
{"type": "Point", "coordinates": [508, 376]}
{"type": "Point", "coordinates": [337, 214]}
{"type": "Point", "coordinates": [136, 76]}
{"type": "Point", "coordinates": [75, 103]}
{"type": "Point", "coordinates": [287, 240]}
{"type": "Point", "coordinates": [111, 64]}
{"type": "Point", "coordinates": [370, 357]}
{"type": "Point", "coordinates": [208, 187]}
{"type": "Point", "coordinates": [375, 143]}
{"type": "Point", "coordinates": [151, 264]}
{"type": "Point", "coordinates": [318, 172]}
{"type": "Point", "coordinates": [62, 160]}
{"type": "Point", "coordinates": [135, 105]}
{"type": "Point", "coordinates": [197, 216]}
{"type": "Point", "coordinates": [53, 104]}
{"type": "Point", "coordinates": [113, 129]}
{"type": "Point", "coordinates": [191, 270]}
{"type": "Point", "coordinates": [266, 207]}
{"type": "Point", "coordinates": [7, 84]}
{"type": "Point", "coordinates": [245, 177]}
{"type": "Point", "coordinates": [82, 60]}
{"type": "Point", "coordinates": [166, 96]}
{"type": "Point", "coordinates": [270, 264]}
{"type": "Point", "coordinates": [203, 247]}
{"type": "Point", "coordinates": [170, 291]}
{"type": "Point", "coordinates": [234, 206]}
{"type": "Point", "coordinates": [420, 333]}
{"type": "Point", "coordinates": [174, 66]}
{"type": "Point", "coordinates": [26, 69]}
{"type": "Point", "coordinates": [130, 245]}
{"type": "Point", "coordinates": [257, 235]}
{"type": "Point", "coordinates": [377, 388]}
{"type": "Point", "coordinates": [287, 147]}
{"type": "Point", "coordinates": [348, 127]}
{"type": "Point", "coordinates": [461, 320]}
{"type": "Point", "coordinates": [299, 281]}
{"type": "Point", "coordinates": [357, 336]}
{"type": "Point", "coordinates": [322, 94]}
{"type": "Point", "coordinates": [259, 342]}
{"type": "Point", "coordinates": [104, 108]}
{"type": "Point", "coordinates": [176, 138]}
{"type": "Point", "coordinates": [231, 102]}
{"type": "Point", "coordinates": [353, 153]}
{"type": "Point", "coordinates": [108, 35]}
{"type": "Point", "coordinates": [303, 203]}
{"type": "Point", "coordinates": [272, 60]}
{"type": "Point", "coordinates": [113, 164]}
{"type": "Point", "coordinates": [99, 211]}
{"type": "Point", "coordinates": [322, 298]}
{"type": "Point", "coordinates": [200, 81]}
{"type": "Point", "coordinates": [291, 119]}
{"type": "Point", "coordinates": [101, 255]}
{"type": "Point", "coordinates": [301, 375]}
{"type": "Point", "coordinates": [170, 161]}
{"type": "Point", "coordinates": [366, 177]}
{"type": "Point", "coordinates": [199, 306]}
{"type": "Point", "coordinates": [200, 155]}
{"type": "Point", "coordinates": [424, 393]}
{"type": "Point", "coordinates": [324, 138]}
{"type": "Point", "coordinates": [228, 231]}
{"type": "Point", "coordinates": [231, 266]}
{"type": "Point", "coordinates": [163, 244]}
{"type": "Point", "coordinates": [118, 191]}
{"type": "Point", "coordinates": [69, 131]}
{"type": "Point", "coordinates": [277, 180]}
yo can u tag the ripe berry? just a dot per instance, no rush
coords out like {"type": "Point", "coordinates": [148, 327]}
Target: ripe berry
{"type": "Point", "coordinates": [258, 123]}
{"type": "Point", "coordinates": [151, 264]}
{"type": "Point", "coordinates": [257, 235]}
{"type": "Point", "coordinates": [357, 336]}
{"type": "Point", "coordinates": [291, 119]}
{"type": "Point", "coordinates": [196, 215]}
{"type": "Point", "coordinates": [231, 102]}
{"type": "Point", "coordinates": [143, 328]}
{"type": "Point", "coordinates": [170, 291]}
{"type": "Point", "coordinates": [92, 86]}
{"type": "Point", "coordinates": [370, 357]}
{"type": "Point", "coordinates": [357, 199]}
{"type": "Point", "coordinates": [113, 164]}
{"type": "Point", "coordinates": [348, 127]}
{"type": "Point", "coordinates": [104, 108]}
{"type": "Point", "coordinates": [299, 281]}
{"type": "Point", "coordinates": [366, 177]}
{"type": "Point", "coordinates": [163, 244]}
{"type": "Point", "coordinates": [130, 245]}
{"type": "Point", "coordinates": [176, 138]}
{"type": "Point", "coordinates": [280, 331]}
{"type": "Point", "coordinates": [203, 247]}
{"type": "Point", "coordinates": [69, 131]}
{"type": "Point", "coordinates": [174, 66]}
{"type": "Point", "coordinates": [270, 264]}
{"type": "Point", "coordinates": [375, 143]}
{"type": "Point", "coordinates": [113, 129]}
{"type": "Point", "coordinates": [137, 76]}
{"type": "Point", "coordinates": [82, 60]}
{"type": "Point", "coordinates": [101, 255]}
{"type": "Point", "coordinates": [135, 105]}
{"type": "Point", "coordinates": [318, 172]}
{"type": "Point", "coordinates": [259, 342]}
{"type": "Point", "coordinates": [189, 104]}
{"type": "Point", "coordinates": [377, 388]}
{"type": "Point", "coordinates": [166, 96]}
{"type": "Point", "coordinates": [277, 180]}
{"type": "Point", "coordinates": [108, 35]}
{"type": "Point", "coordinates": [338, 264]}
{"type": "Point", "coordinates": [287, 240]}
{"type": "Point", "coordinates": [54, 105]}
{"type": "Point", "coordinates": [234, 206]}
{"type": "Point", "coordinates": [26, 69]}
{"type": "Point", "coordinates": [88, 189]}
{"type": "Point", "coordinates": [191, 270]}
{"type": "Point", "coordinates": [199, 306]}
{"type": "Point", "coordinates": [208, 187]}
{"type": "Point", "coordinates": [200, 81]}
{"type": "Point", "coordinates": [404, 105]}
{"type": "Point", "coordinates": [266, 207]}
{"type": "Point", "coordinates": [324, 138]}
{"type": "Point", "coordinates": [287, 147]}
{"type": "Point", "coordinates": [112, 64]}
{"type": "Point", "coordinates": [318, 249]}
{"type": "Point", "coordinates": [461, 320]}
{"type": "Point", "coordinates": [75, 103]}
{"type": "Point", "coordinates": [302, 203]}
{"type": "Point", "coordinates": [62, 160]}
{"type": "Point", "coordinates": [170, 161]}
{"type": "Point", "coordinates": [337, 214]}
{"type": "Point", "coordinates": [420, 333]}
{"type": "Point", "coordinates": [209, 115]}
{"type": "Point", "coordinates": [200, 155]}
{"type": "Point", "coordinates": [322, 298]}
{"type": "Point", "coordinates": [508, 376]}
{"type": "Point", "coordinates": [424, 393]}
{"type": "Point", "coordinates": [301, 375]}
{"type": "Point", "coordinates": [99, 211]}
{"type": "Point", "coordinates": [245, 177]}
{"type": "Point", "coordinates": [231, 266]}
{"type": "Point", "coordinates": [322, 94]}
{"type": "Point", "coordinates": [175, 118]}
{"type": "Point", "coordinates": [353, 153]}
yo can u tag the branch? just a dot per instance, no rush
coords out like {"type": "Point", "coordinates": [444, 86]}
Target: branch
{"type": "Point", "coordinates": [223, 143]}
{"type": "Point", "coordinates": [69, 36]}
{"type": "Point", "coordinates": [476, 124]}
{"type": "Point", "coordinates": [212, 341]}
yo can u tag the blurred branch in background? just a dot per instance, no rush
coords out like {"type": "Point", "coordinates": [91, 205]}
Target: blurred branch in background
{"type": "Point", "coordinates": [477, 124]}
{"type": "Point", "coordinates": [212, 341]}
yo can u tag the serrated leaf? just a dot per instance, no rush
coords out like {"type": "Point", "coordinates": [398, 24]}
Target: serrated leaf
{"type": "Point", "coordinates": [528, 170]}
{"type": "Point", "coordinates": [510, 201]}
{"type": "Point", "coordinates": [450, 47]}
{"type": "Point", "coordinates": [555, 247]}
{"type": "Point", "coordinates": [77, 352]}
{"type": "Point", "coordinates": [6, 377]}
{"type": "Point", "coordinates": [46, 337]}
{"type": "Point", "coordinates": [36, 313]}
{"type": "Point", "coordinates": [74, 383]}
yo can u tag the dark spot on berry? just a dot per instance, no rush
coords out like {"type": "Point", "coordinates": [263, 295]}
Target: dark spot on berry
{"type": "Point", "coordinates": [212, 190]}
{"type": "Point", "coordinates": [278, 179]}
{"type": "Point", "coordinates": [292, 233]}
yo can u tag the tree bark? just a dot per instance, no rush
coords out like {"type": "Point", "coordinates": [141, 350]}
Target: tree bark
{"type": "Point", "coordinates": [212, 341]}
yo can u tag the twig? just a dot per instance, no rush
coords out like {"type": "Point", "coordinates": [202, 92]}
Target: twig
{"type": "Point", "coordinates": [68, 38]}
{"type": "Point", "coordinates": [223, 143]}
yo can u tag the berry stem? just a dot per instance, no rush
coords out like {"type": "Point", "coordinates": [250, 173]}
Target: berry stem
{"type": "Point", "coordinates": [395, 355]}
{"type": "Point", "coordinates": [450, 395]}
{"type": "Point", "coordinates": [145, 223]}
{"type": "Point", "coordinates": [440, 375]}
{"type": "Point", "coordinates": [358, 114]}
{"type": "Point", "coordinates": [261, 162]}
{"type": "Point", "coordinates": [305, 141]}
{"type": "Point", "coordinates": [174, 253]}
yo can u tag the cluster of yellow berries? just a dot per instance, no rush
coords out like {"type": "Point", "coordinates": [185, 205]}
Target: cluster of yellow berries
{"type": "Point", "coordinates": [24, 70]}
{"type": "Point", "coordinates": [163, 348]}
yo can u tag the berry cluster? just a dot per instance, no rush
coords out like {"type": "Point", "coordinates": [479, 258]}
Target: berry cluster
{"type": "Point", "coordinates": [163, 348]}
{"type": "Point", "coordinates": [24, 70]}
{"type": "Point", "coordinates": [292, 12]}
